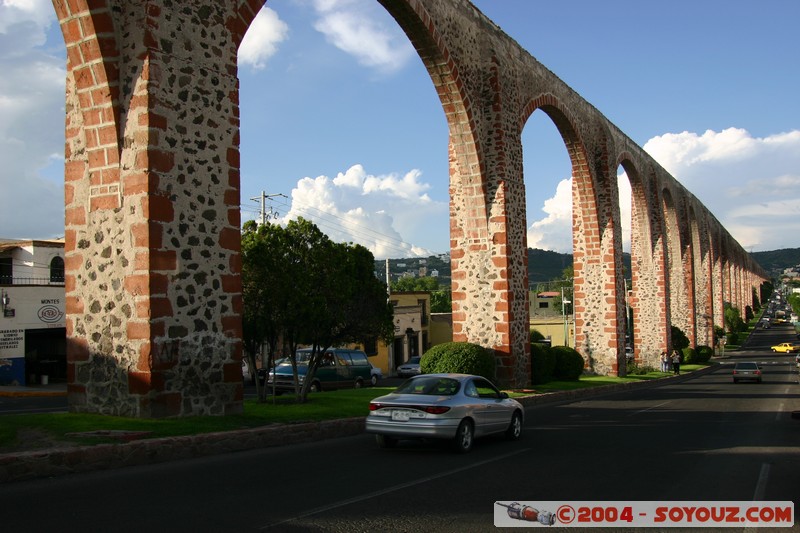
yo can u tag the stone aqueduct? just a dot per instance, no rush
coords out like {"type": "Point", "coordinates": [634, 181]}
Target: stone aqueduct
{"type": "Point", "coordinates": [152, 199]}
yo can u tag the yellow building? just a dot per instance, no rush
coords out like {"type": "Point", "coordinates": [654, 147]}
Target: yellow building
{"type": "Point", "coordinates": [412, 319]}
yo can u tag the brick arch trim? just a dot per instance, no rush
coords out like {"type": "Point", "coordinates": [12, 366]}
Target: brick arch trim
{"type": "Point", "coordinates": [419, 27]}
{"type": "Point", "coordinates": [92, 58]}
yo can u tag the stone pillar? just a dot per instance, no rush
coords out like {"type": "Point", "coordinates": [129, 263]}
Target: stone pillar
{"type": "Point", "coordinates": [152, 239]}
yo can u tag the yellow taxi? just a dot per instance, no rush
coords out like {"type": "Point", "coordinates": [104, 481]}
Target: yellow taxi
{"type": "Point", "coordinates": [786, 347]}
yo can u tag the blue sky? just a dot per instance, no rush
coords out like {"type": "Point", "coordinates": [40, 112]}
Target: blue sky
{"type": "Point", "coordinates": [341, 124]}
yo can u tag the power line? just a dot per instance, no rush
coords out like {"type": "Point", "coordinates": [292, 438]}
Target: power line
{"type": "Point", "coordinates": [323, 220]}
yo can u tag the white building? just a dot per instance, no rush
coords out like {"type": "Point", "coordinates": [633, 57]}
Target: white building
{"type": "Point", "coordinates": [32, 323]}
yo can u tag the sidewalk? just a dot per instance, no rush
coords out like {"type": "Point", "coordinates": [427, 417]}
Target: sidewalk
{"type": "Point", "coordinates": [51, 389]}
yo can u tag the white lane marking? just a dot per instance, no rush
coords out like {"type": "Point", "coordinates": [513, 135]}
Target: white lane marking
{"type": "Point", "coordinates": [391, 489]}
{"type": "Point", "coordinates": [649, 408]}
{"type": "Point", "coordinates": [761, 485]}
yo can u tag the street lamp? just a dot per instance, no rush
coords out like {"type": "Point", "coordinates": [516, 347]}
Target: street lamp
{"type": "Point", "coordinates": [564, 316]}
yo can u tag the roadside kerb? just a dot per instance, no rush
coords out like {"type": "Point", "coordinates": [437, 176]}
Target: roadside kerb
{"type": "Point", "coordinates": [70, 460]}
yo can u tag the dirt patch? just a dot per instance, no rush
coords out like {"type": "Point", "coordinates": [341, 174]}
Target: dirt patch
{"type": "Point", "coordinates": [30, 439]}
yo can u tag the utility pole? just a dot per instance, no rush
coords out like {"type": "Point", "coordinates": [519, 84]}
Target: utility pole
{"type": "Point", "coordinates": [263, 200]}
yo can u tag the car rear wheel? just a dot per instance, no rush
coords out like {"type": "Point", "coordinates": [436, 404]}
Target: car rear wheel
{"type": "Point", "coordinates": [515, 428]}
{"type": "Point", "coordinates": [464, 437]}
{"type": "Point", "coordinates": [316, 387]}
{"type": "Point", "coordinates": [384, 441]}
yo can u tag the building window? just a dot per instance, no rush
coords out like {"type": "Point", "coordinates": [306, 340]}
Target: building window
{"type": "Point", "coordinates": [57, 270]}
{"type": "Point", "coordinates": [423, 304]}
{"type": "Point", "coordinates": [371, 346]}
{"type": "Point", "coordinates": [544, 305]}
{"type": "Point", "coordinates": [6, 271]}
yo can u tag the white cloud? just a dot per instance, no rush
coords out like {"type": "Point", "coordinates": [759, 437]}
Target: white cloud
{"type": "Point", "coordinates": [751, 184]}
{"type": "Point", "coordinates": [357, 27]}
{"type": "Point", "coordinates": [381, 213]}
{"type": "Point", "coordinates": [31, 121]}
{"type": "Point", "coordinates": [262, 39]}
{"type": "Point", "coordinates": [36, 14]}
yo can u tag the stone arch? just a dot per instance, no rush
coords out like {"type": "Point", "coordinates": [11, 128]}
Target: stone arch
{"type": "Point", "coordinates": [153, 288]}
{"type": "Point", "coordinates": [591, 307]}
{"type": "Point", "coordinates": [597, 249]}
{"type": "Point", "coordinates": [647, 282]}
{"type": "Point", "coordinates": [702, 286]}
{"type": "Point", "coordinates": [675, 260]}
{"type": "Point", "coordinates": [480, 212]}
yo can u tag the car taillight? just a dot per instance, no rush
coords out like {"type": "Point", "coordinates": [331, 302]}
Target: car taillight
{"type": "Point", "coordinates": [374, 406]}
{"type": "Point", "coordinates": [436, 409]}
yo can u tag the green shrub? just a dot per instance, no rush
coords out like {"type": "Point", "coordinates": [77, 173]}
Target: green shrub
{"type": "Point", "coordinates": [689, 356]}
{"type": "Point", "coordinates": [543, 363]}
{"type": "Point", "coordinates": [569, 363]}
{"type": "Point", "coordinates": [536, 335]}
{"type": "Point", "coordinates": [458, 357]}
{"type": "Point", "coordinates": [704, 353]}
{"type": "Point", "coordinates": [635, 369]}
{"type": "Point", "coordinates": [679, 338]}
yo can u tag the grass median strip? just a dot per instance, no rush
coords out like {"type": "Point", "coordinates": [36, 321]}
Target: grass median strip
{"type": "Point", "coordinates": [27, 432]}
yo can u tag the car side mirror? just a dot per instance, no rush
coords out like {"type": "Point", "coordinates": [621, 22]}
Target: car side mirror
{"type": "Point", "coordinates": [503, 395]}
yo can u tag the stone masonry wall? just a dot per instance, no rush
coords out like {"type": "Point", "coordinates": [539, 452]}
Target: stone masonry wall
{"type": "Point", "coordinates": [152, 201]}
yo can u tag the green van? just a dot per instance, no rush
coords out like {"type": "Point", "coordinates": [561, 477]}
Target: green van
{"type": "Point", "coordinates": [340, 368]}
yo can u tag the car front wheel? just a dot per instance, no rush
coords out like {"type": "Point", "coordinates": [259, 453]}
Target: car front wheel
{"type": "Point", "coordinates": [373, 379]}
{"type": "Point", "coordinates": [464, 437]}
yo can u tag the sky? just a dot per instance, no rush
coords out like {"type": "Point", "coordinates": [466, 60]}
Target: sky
{"type": "Point", "coordinates": [340, 123]}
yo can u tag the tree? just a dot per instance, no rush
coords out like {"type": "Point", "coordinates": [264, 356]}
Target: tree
{"type": "Point", "coordinates": [733, 320]}
{"type": "Point", "coordinates": [679, 338]}
{"type": "Point", "coordinates": [299, 287]}
{"type": "Point", "coordinates": [441, 301]}
{"type": "Point", "coordinates": [266, 289]}
{"type": "Point", "coordinates": [347, 303]}
{"type": "Point", "coordinates": [412, 284]}
{"type": "Point", "coordinates": [565, 287]}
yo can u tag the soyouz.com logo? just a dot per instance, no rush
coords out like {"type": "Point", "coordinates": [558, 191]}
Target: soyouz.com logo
{"type": "Point", "coordinates": [644, 514]}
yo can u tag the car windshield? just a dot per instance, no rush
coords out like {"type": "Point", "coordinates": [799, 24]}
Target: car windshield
{"type": "Point", "coordinates": [413, 361]}
{"type": "Point", "coordinates": [434, 386]}
{"type": "Point", "coordinates": [746, 366]}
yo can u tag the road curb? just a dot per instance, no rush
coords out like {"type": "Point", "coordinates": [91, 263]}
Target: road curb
{"type": "Point", "coordinates": [53, 462]}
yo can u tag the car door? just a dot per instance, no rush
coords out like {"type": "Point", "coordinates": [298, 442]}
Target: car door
{"type": "Point", "coordinates": [492, 415]}
{"type": "Point", "coordinates": [344, 369]}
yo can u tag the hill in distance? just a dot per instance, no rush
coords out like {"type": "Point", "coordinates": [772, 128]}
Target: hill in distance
{"type": "Point", "coordinates": [546, 265]}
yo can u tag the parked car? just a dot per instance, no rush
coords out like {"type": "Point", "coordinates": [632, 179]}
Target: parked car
{"type": "Point", "coordinates": [262, 372]}
{"type": "Point", "coordinates": [746, 371]}
{"type": "Point", "coordinates": [339, 368]}
{"type": "Point", "coordinates": [375, 374]}
{"type": "Point", "coordinates": [409, 368]}
{"type": "Point", "coordinates": [786, 347]}
{"type": "Point", "coordinates": [458, 407]}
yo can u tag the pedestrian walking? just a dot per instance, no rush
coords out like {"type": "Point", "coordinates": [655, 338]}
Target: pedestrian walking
{"type": "Point", "coordinates": [664, 361]}
{"type": "Point", "coordinates": [676, 362]}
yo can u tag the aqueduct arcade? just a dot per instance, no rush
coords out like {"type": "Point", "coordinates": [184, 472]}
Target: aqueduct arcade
{"type": "Point", "coordinates": [152, 200]}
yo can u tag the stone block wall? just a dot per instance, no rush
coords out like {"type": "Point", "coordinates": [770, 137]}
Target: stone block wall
{"type": "Point", "coordinates": [152, 205]}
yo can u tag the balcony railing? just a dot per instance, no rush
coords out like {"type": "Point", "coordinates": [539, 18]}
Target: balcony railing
{"type": "Point", "coordinates": [15, 280]}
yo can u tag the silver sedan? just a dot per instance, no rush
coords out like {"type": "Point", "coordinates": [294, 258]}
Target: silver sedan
{"type": "Point", "coordinates": [459, 407]}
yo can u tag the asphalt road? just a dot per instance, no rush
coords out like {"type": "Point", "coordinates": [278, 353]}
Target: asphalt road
{"type": "Point", "coordinates": [704, 439]}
